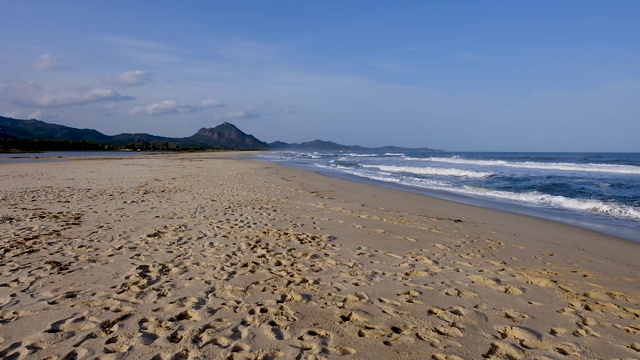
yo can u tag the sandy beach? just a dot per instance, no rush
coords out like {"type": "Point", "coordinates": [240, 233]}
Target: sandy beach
{"type": "Point", "coordinates": [203, 256]}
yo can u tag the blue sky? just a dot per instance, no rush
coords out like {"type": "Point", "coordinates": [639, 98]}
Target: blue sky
{"type": "Point", "coordinates": [455, 75]}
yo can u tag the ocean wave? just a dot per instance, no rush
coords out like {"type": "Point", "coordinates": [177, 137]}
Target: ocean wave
{"type": "Point", "coordinates": [556, 201]}
{"type": "Point", "coordinates": [388, 177]}
{"type": "Point", "coordinates": [374, 155]}
{"type": "Point", "coordinates": [611, 209]}
{"type": "Point", "coordinates": [605, 168]}
{"type": "Point", "coordinates": [361, 155]}
{"type": "Point", "coordinates": [430, 171]}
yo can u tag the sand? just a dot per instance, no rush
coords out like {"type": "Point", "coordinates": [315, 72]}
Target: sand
{"type": "Point", "coordinates": [199, 256]}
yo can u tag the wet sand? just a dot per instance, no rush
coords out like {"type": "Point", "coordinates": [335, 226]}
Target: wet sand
{"type": "Point", "coordinates": [201, 256]}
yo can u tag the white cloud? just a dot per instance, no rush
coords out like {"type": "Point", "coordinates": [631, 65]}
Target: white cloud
{"type": "Point", "coordinates": [13, 114]}
{"type": "Point", "coordinates": [22, 93]}
{"type": "Point", "coordinates": [212, 103]}
{"type": "Point", "coordinates": [173, 107]}
{"type": "Point", "coordinates": [258, 110]}
{"type": "Point", "coordinates": [48, 62]}
{"type": "Point", "coordinates": [39, 114]}
{"type": "Point", "coordinates": [147, 52]}
{"type": "Point", "coordinates": [81, 98]}
{"type": "Point", "coordinates": [163, 108]}
{"type": "Point", "coordinates": [130, 78]}
{"type": "Point", "coordinates": [136, 43]}
{"type": "Point", "coordinates": [241, 114]}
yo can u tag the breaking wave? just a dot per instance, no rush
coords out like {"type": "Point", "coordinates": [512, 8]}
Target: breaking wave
{"type": "Point", "coordinates": [605, 168]}
{"type": "Point", "coordinates": [430, 171]}
{"type": "Point", "coordinates": [555, 201]}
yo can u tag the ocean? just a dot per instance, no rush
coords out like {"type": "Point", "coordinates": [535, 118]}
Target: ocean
{"type": "Point", "coordinates": [599, 191]}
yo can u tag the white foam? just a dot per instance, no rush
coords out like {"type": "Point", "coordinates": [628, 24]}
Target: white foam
{"type": "Point", "coordinates": [361, 155]}
{"type": "Point", "coordinates": [532, 198]}
{"type": "Point", "coordinates": [430, 171]}
{"type": "Point", "coordinates": [386, 176]}
{"type": "Point", "coordinates": [403, 175]}
{"type": "Point", "coordinates": [606, 168]}
{"type": "Point", "coordinates": [555, 201]}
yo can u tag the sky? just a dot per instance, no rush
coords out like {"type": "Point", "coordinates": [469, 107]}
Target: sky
{"type": "Point", "coordinates": [453, 75]}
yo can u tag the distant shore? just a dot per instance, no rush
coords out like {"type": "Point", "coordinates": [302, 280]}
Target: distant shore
{"type": "Point", "coordinates": [208, 255]}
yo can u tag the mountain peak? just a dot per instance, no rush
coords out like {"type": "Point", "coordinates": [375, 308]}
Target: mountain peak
{"type": "Point", "coordinates": [228, 135]}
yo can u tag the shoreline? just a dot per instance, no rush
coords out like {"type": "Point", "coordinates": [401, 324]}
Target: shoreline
{"type": "Point", "coordinates": [479, 214]}
{"type": "Point", "coordinates": [616, 227]}
{"type": "Point", "coordinates": [209, 256]}
{"type": "Point", "coordinates": [579, 220]}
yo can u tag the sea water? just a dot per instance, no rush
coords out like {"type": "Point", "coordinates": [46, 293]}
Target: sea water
{"type": "Point", "coordinates": [599, 191]}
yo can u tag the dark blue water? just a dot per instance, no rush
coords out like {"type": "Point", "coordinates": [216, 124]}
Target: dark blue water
{"type": "Point", "coordinates": [600, 191]}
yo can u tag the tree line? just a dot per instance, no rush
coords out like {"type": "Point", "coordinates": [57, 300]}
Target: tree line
{"type": "Point", "coordinates": [38, 145]}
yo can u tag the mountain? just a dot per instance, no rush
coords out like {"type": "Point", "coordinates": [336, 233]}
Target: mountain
{"type": "Point", "coordinates": [36, 129]}
{"type": "Point", "coordinates": [224, 136]}
{"type": "Point", "coordinates": [311, 145]}
{"type": "Point", "coordinates": [321, 145]}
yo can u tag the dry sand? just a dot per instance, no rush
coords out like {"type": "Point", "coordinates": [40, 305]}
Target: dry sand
{"type": "Point", "coordinates": [198, 256]}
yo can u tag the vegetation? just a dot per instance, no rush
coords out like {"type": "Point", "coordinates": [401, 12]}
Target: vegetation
{"type": "Point", "coordinates": [39, 145]}
{"type": "Point", "coordinates": [36, 145]}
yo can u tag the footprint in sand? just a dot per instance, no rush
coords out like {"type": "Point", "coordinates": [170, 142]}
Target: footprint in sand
{"type": "Point", "coordinates": [74, 323]}
{"type": "Point", "coordinates": [527, 338]}
{"type": "Point", "coordinates": [318, 341]}
{"type": "Point", "coordinates": [504, 350]}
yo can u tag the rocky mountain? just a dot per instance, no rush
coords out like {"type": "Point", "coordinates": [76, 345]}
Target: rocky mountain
{"type": "Point", "coordinates": [225, 135]}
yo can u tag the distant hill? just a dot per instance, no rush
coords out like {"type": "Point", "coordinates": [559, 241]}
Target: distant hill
{"type": "Point", "coordinates": [321, 145]}
{"type": "Point", "coordinates": [36, 129]}
{"type": "Point", "coordinates": [224, 136]}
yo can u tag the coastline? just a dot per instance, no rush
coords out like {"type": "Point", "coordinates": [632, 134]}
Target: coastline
{"type": "Point", "coordinates": [594, 213]}
{"type": "Point", "coordinates": [605, 226]}
{"type": "Point", "coordinates": [207, 256]}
